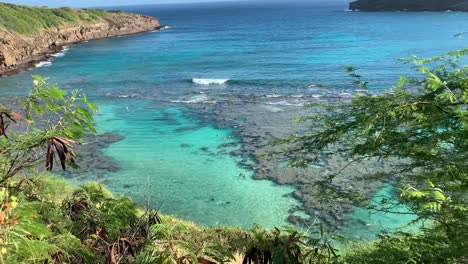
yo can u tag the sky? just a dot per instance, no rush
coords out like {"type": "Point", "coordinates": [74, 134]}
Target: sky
{"type": "Point", "coordinates": [90, 3]}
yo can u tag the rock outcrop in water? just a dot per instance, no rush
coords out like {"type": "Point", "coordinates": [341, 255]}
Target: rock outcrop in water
{"type": "Point", "coordinates": [19, 51]}
{"type": "Point", "coordinates": [413, 5]}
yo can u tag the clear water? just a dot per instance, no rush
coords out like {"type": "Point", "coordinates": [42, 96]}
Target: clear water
{"type": "Point", "coordinates": [366, 224]}
{"type": "Point", "coordinates": [259, 49]}
{"type": "Point", "coordinates": [191, 173]}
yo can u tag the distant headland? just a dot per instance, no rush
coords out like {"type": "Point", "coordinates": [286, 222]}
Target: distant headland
{"type": "Point", "coordinates": [405, 5]}
{"type": "Point", "coordinates": [29, 35]}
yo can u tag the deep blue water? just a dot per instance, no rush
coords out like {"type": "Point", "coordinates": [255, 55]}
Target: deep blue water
{"type": "Point", "coordinates": [251, 49]}
{"type": "Point", "coordinates": [260, 47]}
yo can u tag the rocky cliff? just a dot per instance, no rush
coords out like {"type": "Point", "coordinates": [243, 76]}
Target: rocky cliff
{"type": "Point", "coordinates": [19, 51]}
{"type": "Point", "coordinates": [409, 5]}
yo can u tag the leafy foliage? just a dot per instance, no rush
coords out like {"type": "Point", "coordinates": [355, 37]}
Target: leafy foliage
{"type": "Point", "coordinates": [47, 117]}
{"type": "Point", "coordinates": [431, 246]}
{"type": "Point", "coordinates": [423, 123]}
{"type": "Point", "coordinates": [44, 220]}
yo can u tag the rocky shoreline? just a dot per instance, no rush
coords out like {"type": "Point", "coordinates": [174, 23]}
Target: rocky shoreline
{"type": "Point", "coordinates": [20, 52]}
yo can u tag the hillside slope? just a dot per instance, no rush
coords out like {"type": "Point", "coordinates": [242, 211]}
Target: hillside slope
{"type": "Point", "coordinates": [31, 34]}
{"type": "Point", "coordinates": [413, 5]}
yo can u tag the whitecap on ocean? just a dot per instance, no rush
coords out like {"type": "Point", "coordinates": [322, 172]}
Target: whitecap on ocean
{"type": "Point", "coordinates": [43, 64]}
{"type": "Point", "coordinates": [209, 81]}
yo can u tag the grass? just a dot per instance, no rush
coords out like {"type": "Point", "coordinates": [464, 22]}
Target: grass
{"type": "Point", "coordinates": [28, 20]}
{"type": "Point", "coordinates": [45, 220]}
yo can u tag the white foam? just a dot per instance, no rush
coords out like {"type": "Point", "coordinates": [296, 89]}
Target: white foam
{"type": "Point", "coordinates": [43, 64]}
{"type": "Point", "coordinates": [209, 81]}
{"type": "Point", "coordinates": [273, 95]}
{"type": "Point", "coordinates": [197, 99]}
{"type": "Point", "coordinates": [62, 53]}
{"type": "Point", "coordinates": [345, 95]}
{"type": "Point", "coordinates": [273, 109]}
{"type": "Point", "coordinates": [162, 28]}
{"type": "Point", "coordinates": [297, 96]}
{"type": "Point", "coordinates": [285, 103]}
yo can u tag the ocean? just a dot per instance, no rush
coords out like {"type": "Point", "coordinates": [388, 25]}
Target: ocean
{"type": "Point", "coordinates": [147, 84]}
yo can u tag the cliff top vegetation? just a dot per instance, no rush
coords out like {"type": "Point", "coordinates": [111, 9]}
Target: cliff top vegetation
{"type": "Point", "coordinates": [27, 20]}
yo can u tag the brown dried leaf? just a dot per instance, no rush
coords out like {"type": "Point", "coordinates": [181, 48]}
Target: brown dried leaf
{"type": "Point", "coordinates": [2, 217]}
{"type": "Point", "coordinates": [63, 147]}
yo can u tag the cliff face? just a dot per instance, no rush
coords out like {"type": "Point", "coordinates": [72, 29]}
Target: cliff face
{"type": "Point", "coordinates": [19, 51]}
{"type": "Point", "coordinates": [409, 5]}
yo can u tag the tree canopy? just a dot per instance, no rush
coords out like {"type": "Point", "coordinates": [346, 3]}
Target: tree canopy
{"type": "Point", "coordinates": [422, 123]}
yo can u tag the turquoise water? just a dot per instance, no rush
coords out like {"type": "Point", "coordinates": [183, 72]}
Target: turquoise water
{"type": "Point", "coordinates": [366, 224]}
{"type": "Point", "coordinates": [249, 49]}
{"type": "Point", "coordinates": [191, 173]}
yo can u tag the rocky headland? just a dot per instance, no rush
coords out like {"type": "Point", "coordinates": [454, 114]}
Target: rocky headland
{"type": "Point", "coordinates": [20, 49]}
{"type": "Point", "coordinates": [405, 5]}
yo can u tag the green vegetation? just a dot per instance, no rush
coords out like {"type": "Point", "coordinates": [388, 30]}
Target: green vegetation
{"type": "Point", "coordinates": [422, 122]}
{"type": "Point", "coordinates": [44, 220]}
{"type": "Point", "coordinates": [26, 20]}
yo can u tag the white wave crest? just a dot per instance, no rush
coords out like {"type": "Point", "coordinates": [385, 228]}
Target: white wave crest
{"type": "Point", "coordinates": [209, 81]}
{"type": "Point", "coordinates": [62, 53]}
{"type": "Point", "coordinates": [160, 29]}
{"type": "Point", "coordinates": [43, 64]}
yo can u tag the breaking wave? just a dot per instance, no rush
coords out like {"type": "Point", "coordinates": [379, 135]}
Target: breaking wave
{"type": "Point", "coordinates": [62, 53]}
{"type": "Point", "coordinates": [209, 81]}
{"type": "Point", "coordinates": [43, 64]}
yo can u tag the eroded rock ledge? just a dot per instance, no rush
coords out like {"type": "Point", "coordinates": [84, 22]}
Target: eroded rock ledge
{"type": "Point", "coordinates": [22, 51]}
